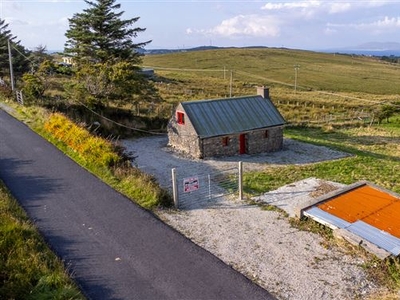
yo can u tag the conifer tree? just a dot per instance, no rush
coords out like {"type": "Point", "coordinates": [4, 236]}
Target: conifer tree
{"type": "Point", "coordinates": [105, 56]}
{"type": "Point", "coordinates": [19, 53]}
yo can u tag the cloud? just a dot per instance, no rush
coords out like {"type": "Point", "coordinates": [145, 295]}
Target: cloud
{"type": "Point", "coordinates": [243, 25]}
{"type": "Point", "coordinates": [386, 27]}
{"type": "Point", "coordinates": [292, 5]}
{"type": "Point", "coordinates": [386, 23]}
{"type": "Point", "coordinates": [339, 7]}
{"type": "Point", "coordinates": [312, 7]}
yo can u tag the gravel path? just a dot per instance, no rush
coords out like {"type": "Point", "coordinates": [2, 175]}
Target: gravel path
{"type": "Point", "coordinates": [261, 244]}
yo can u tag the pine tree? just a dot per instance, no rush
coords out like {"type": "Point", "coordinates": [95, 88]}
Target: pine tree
{"type": "Point", "coordinates": [105, 56]}
{"type": "Point", "coordinates": [19, 53]}
{"type": "Point", "coordinates": [99, 35]}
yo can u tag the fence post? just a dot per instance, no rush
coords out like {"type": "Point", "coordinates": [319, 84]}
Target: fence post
{"type": "Point", "coordinates": [174, 188]}
{"type": "Point", "coordinates": [240, 180]}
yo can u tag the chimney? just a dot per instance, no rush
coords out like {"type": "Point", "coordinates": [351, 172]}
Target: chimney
{"type": "Point", "coordinates": [263, 92]}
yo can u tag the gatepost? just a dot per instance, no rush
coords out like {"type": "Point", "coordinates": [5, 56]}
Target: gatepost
{"type": "Point", "coordinates": [175, 188]}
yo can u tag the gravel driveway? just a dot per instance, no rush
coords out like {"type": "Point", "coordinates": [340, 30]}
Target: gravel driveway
{"type": "Point", "coordinates": [261, 244]}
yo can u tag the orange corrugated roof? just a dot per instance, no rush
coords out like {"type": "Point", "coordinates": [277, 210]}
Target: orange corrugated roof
{"type": "Point", "coordinates": [368, 204]}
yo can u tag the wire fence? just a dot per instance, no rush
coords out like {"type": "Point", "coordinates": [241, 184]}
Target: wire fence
{"type": "Point", "coordinates": [202, 189]}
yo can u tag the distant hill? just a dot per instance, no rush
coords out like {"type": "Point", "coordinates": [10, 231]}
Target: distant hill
{"type": "Point", "coordinates": [370, 49]}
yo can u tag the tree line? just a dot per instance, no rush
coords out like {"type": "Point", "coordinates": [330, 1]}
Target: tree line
{"type": "Point", "coordinates": [105, 59]}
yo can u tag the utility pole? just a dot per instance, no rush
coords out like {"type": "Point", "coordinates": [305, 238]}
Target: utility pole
{"type": "Point", "coordinates": [230, 85]}
{"type": "Point", "coordinates": [296, 68]}
{"type": "Point", "coordinates": [11, 66]}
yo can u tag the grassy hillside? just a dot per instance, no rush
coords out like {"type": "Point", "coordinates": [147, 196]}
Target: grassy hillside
{"type": "Point", "coordinates": [276, 67]}
{"type": "Point", "coordinates": [326, 83]}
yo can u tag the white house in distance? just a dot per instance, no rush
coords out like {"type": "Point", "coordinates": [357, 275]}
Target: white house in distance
{"type": "Point", "coordinates": [227, 127]}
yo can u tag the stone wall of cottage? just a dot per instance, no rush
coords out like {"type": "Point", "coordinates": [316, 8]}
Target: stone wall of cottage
{"type": "Point", "coordinates": [216, 146]}
{"type": "Point", "coordinates": [183, 137]}
{"type": "Point", "coordinates": [266, 140]}
{"type": "Point", "coordinates": [258, 141]}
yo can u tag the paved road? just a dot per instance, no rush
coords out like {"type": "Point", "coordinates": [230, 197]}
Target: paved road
{"type": "Point", "coordinates": [115, 249]}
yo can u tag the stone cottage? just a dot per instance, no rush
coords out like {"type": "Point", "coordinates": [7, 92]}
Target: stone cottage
{"type": "Point", "coordinates": [227, 127]}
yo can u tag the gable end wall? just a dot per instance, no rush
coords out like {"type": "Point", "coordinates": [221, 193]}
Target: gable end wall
{"type": "Point", "coordinates": [183, 137]}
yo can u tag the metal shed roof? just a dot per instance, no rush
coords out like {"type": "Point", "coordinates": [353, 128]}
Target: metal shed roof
{"type": "Point", "coordinates": [232, 115]}
{"type": "Point", "coordinates": [366, 210]}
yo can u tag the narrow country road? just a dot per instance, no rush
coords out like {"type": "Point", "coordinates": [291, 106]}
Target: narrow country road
{"type": "Point", "coordinates": [113, 248]}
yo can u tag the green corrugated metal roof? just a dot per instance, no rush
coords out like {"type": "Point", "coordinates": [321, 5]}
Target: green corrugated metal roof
{"type": "Point", "coordinates": [231, 115]}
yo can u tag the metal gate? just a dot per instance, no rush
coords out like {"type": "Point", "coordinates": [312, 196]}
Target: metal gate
{"type": "Point", "coordinates": [200, 189]}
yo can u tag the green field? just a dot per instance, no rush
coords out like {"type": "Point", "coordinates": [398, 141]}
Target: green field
{"type": "Point", "coordinates": [326, 84]}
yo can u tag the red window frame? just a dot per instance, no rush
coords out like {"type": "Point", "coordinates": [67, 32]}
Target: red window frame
{"type": "Point", "coordinates": [180, 118]}
{"type": "Point", "coordinates": [225, 141]}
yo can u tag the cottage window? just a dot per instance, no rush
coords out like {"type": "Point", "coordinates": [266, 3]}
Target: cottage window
{"type": "Point", "coordinates": [180, 118]}
{"type": "Point", "coordinates": [266, 134]}
{"type": "Point", "coordinates": [225, 141]}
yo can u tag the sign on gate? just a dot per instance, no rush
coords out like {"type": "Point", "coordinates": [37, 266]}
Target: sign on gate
{"type": "Point", "coordinates": [206, 186]}
{"type": "Point", "coordinates": [190, 184]}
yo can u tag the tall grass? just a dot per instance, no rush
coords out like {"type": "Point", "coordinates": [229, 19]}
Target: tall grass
{"type": "Point", "coordinates": [326, 83]}
{"type": "Point", "coordinates": [92, 149]}
{"type": "Point", "coordinates": [275, 67]}
{"type": "Point", "coordinates": [105, 160]}
{"type": "Point", "coordinates": [28, 269]}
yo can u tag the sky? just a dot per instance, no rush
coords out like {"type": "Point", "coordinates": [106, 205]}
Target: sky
{"type": "Point", "coordinates": [303, 24]}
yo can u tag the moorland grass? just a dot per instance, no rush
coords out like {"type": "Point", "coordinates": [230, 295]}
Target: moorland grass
{"type": "Point", "coordinates": [28, 268]}
{"type": "Point", "coordinates": [326, 83]}
{"type": "Point", "coordinates": [374, 156]}
{"type": "Point", "coordinates": [269, 66]}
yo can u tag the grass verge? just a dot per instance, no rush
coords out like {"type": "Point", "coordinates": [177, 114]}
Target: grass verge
{"type": "Point", "coordinates": [28, 268]}
{"type": "Point", "coordinates": [95, 154]}
{"type": "Point", "coordinates": [105, 160]}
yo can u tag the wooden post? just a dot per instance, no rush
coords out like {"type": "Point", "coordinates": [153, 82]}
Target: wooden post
{"type": "Point", "coordinates": [11, 65]}
{"type": "Point", "coordinates": [174, 188]}
{"type": "Point", "coordinates": [240, 183]}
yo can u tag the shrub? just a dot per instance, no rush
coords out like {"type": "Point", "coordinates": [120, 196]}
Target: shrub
{"type": "Point", "coordinates": [92, 149]}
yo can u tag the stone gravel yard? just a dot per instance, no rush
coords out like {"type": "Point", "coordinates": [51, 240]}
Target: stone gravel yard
{"type": "Point", "coordinates": [290, 263]}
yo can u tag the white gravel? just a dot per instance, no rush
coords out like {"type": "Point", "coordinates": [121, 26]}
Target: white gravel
{"type": "Point", "coordinates": [261, 244]}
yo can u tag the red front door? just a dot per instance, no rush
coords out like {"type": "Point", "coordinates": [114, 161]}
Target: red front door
{"type": "Point", "coordinates": [242, 144]}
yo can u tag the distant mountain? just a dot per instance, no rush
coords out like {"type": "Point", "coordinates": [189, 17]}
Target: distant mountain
{"type": "Point", "coordinates": [164, 51]}
{"type": "Point", "coordinates": [370, 49]}
{"type": "Point", "coordinates": [376, 46]}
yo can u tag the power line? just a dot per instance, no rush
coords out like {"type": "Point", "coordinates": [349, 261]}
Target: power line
{"type": "Point", "coordinates": [117, 123]}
